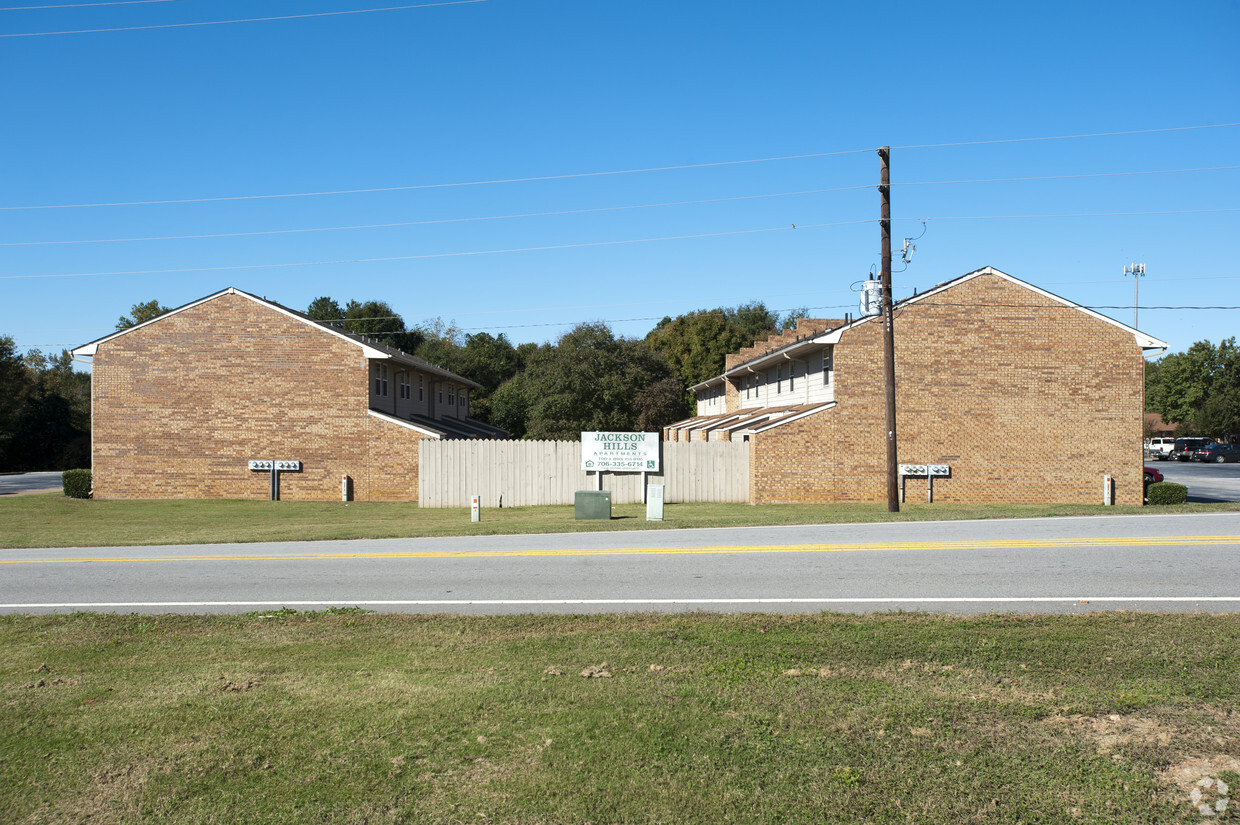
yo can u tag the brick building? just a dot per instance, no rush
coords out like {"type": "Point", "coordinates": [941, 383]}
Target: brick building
{"type": "Point", "coordinates": [1026, 396]}
{"type": "Point", "coordinates": [181, 404]}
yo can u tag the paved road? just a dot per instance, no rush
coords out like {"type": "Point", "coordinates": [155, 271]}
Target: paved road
{"type": "Point", "coordinates": [14, 483]}
{"type": "Point", "coordinates": [1066, 565]}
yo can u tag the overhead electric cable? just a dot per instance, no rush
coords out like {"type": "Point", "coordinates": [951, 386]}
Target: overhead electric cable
{"type": "Point", "coordinates": [1067, 177]}
{"type": "Point", "coordinates": [433, 254]}
{"type": "Point", "coordinates": [444, 220]}
{"type": "Point", "coordinates": [792, 227]}
{"type": "Point", "coordinates": [87, 5]}
{"type": "Point", "coordinates": [440, 185]}
{"type": "Point", "coordinates": [1067, 137]}
{"type": "Point", "coordinates": [1074, 215]}
{"type": "Point", "coordinates": [397, 224]}
{"type": "Point", "coordinates": [570, 176]}
{"type": "Point", "coordinates": [248, 19]}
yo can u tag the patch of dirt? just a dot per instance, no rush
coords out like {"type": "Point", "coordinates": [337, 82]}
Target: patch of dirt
{"type": "Point", "coordinates": [1115, 731]}
{"type": "Point", "coordinates": [1188, 774]}
{"type": "Point", "coordinates": [596, 672]}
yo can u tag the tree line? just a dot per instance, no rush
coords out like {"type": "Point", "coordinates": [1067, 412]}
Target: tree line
{"type": "Point", "coordinates": [1197, 390]}
{"type": "Point", "coordinates": [588, 379]}
{"type": "Point", "coordinates": [44, 411]}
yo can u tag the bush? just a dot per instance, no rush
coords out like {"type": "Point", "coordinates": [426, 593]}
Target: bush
{"type": "Point", "coordinates": [76, 483]}
{"type": "Point", "coordinates": [1166, 492]}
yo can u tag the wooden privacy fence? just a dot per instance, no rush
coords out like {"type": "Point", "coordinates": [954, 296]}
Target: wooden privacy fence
{"type": "Point", "coordinates": [530, 473]}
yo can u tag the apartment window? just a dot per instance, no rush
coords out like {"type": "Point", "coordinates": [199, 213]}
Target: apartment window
{"type": "Point", "coordinates": [421, 388]}
{"type": "Point", "coordinates": [464, 398]}
{"type": "Point", "coordinates": [451, 396]}
{"type": "Point", "coordinates": [828, 364]}
{"type": "Point", "coordinates": [404, 385]}
{"type": "Point", "coordinates": [792, 377]}
{"type": "Point", "coordinates": [381, 379]}
{"type": "Point", "coordinates": [779, 380]}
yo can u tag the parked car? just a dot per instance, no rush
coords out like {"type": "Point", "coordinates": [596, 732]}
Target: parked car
{"type": "Point", "coordinates": [1159, 448]}
{"type": "Point", "coordinates": [1185, 447]}
{"type": "Point", "coordinates": [1218, 453]}
{"type": "Point", "coordinates": [1152, 475]}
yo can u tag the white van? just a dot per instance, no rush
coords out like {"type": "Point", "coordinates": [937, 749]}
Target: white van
{"type": "Point", "coordinates": [1159, 448]}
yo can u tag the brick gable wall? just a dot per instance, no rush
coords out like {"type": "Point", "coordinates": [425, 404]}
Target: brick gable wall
{"type": "Point", "coordinates": [1028, 401]}
{"type": "Point", "coordinates": [180, 406]}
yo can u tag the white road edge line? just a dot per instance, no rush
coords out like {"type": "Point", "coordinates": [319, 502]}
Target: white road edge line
{"type": "Point", "coordinates": [513, 602]}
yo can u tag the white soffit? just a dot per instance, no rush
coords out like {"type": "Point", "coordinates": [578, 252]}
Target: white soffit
{"type": "Point", "coordinates": [789, 419]}
{"type": "Point", "coordinates": [409, 425]}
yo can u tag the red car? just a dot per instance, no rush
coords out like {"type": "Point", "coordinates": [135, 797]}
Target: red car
{"type": "Point", "coordinates": [1152, 475]}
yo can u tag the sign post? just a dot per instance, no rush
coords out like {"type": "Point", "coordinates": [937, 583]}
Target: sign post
{"type": "Point", "coordinates": [927, 470]}
{"type": "Point", "coordinates": [275, 468]}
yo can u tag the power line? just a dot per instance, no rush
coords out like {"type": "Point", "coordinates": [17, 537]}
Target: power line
{"type": "Point", "coordinates": [570, 176]}
{"type": "Point", "coordinates": [1066, 137]}
{"type": "Point", "coordinates": [1075, 215]}
{"type": "Point", "coordinates": [446, 220]}
{"type": "Point", "coordinates": [86, 5]}
{"type": "Point", "coordinates": [587, 244]}
{"type": "Point", "coordinates": [430, 255]}
{"type": "Point", "coordinates": [597, 209]}
{"type": "Point", "coordinates": [247, 19]}
{"type": "Point", "coordinates": [438, 185]}
{"type": "Point", "coordinates": [1068, 177]}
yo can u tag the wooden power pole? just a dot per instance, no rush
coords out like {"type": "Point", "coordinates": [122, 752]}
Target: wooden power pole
{"type": "Point", "coordinates": [889, 345]}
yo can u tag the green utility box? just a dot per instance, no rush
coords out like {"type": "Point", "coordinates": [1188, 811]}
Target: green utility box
{"type": "Point", "coordinates": [592, 504]}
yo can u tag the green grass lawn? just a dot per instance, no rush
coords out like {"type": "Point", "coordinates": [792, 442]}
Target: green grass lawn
{"type": "Point", "coordinates": [52, 520]}
{"type": "Point", "coordinates": [349, 717]}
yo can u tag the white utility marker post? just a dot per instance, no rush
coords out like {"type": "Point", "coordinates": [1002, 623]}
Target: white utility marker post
{"type": "Point", "coordinates": [475, 508]}
{"type": "Point", "coordinates": [654, 503]}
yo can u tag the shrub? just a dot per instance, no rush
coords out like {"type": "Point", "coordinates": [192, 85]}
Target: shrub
{"type": "Point", "coordinates": [76, 483]}
{"type": "Point", "coordinates": [1166, 492]}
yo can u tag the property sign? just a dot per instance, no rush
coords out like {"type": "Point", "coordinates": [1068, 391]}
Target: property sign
{"type": "Point", "coordinates": [620, 452]}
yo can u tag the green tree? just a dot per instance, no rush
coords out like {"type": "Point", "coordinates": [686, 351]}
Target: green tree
{"type": "Point", "coordinates": [14, 388]}
{"type": "Point", "coordinates": [592, 380]}
{"type": "Point", "coordinates": [374, 319]}
{"type": "Point", "coordinates": [695, 344]}
{"type": "Point", "coordinates": [509, 406]}
{"type": "Point", "coordinates": [141, 313]}
{"type": "Point", "coordinates": [441, 344]}
{"type": "Point", "coordinates": [1198, 389]}
{"type": "Point", "coordinates": [325, 309]}
{"type": "Point", "coordinates": [44, 411]}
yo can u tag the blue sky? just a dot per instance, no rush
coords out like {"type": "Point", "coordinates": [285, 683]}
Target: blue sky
{"type": "Point", "coordinates": [561, 90]}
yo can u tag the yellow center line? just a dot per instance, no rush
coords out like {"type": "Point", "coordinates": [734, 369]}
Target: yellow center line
{"type": "Point", "coordinates": [993, 544]}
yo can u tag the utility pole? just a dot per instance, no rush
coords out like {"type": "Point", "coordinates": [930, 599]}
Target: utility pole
{"type": "Point", "coordinates": [889, 345]}
{"type": "Point", "coordinates": [1137, 271]}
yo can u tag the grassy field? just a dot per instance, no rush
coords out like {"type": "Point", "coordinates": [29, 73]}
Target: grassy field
{"type": "Point", "coordinates": [52, 520]}
{"type": "Point", "coordinates": [361, 718]}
